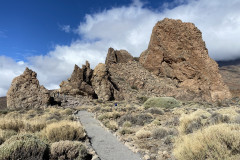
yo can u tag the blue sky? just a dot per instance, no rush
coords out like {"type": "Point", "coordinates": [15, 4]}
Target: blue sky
{"type": "Point", "coordinates": [31, 28]}
{"type": "Point", "coordinates": [50, 36]}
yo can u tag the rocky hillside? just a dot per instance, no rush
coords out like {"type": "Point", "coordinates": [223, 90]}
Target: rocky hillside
{"type": "Point", "coordinates": [231, 76]}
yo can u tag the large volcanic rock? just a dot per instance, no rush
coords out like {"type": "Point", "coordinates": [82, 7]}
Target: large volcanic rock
{"type": "Point", "coordinates": [115, 56]}
{"type": "Point", "coordinates": [25, 92]}
{"type": "Point", "coordinates": [176, 50]}
{"type": "Point", "coordinates": [79, 83]}
{"type": "Point", "coordinates": [103, 85]}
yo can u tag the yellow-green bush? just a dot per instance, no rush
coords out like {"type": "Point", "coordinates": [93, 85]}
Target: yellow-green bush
{"type": "Point", "coordinates": [221, 141]}
{"type": "Point", "coordinates": [64, 130]}
{"type": "Point", "coordinates": [161, 102]}
{"type": "Point", "coordinates": [23, 146]}
{"type": "Point", "coordinates": [67, 150]}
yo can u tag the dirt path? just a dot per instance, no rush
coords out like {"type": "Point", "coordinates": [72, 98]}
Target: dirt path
{"type": "Point", "coordinates": [104, 143]}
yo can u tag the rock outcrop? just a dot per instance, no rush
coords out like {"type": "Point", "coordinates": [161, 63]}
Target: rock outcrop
{"type": "Point", "coordinates": [177, 51]}
{"type": "Point", "coordinates": [25, 92]}
{"type": "Point", "coordinates": [103, 85]}
{"type": "Point", "coordinates": [79, 83]}
{"type": "Point", "coordinates": [115, 56]}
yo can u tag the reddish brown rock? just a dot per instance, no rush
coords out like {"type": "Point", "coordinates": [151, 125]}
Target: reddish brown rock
{"type": "Point", "coordinates": [26, 92]}
{"type": "Point", "coordinates": [115, 56]}
{"type": "Point", "coordinates": [176, 50]}
{"type": "Point", "coordinates": [101, 81]}
{"type": "Point", "coordinates": [79, 83]}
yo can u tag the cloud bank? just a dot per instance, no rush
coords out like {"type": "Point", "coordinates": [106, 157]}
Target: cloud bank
{"type": "Point", "coordinates": [130, 27]}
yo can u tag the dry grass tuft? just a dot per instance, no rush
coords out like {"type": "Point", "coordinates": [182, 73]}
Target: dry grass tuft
{"type": "Point", "coordinates": [141, 134]}
{"type": "Point", "coordinates": [193, 121]}
{"type": "Point", "coordinates": [64, 150]}
{"type": "Point", "coordinates": [159, 132]}
{"type": "Point", "coordinates": [10, 123]}
{"type": "Point", "coordinates": [64, 130]}
{"type": "Point", "coordinates": [124, 131]}
{"type": "Point", "coordinates": [220, 141]}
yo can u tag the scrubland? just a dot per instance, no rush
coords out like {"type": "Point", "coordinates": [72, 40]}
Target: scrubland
{"type": "Point", "coordinates": [42, 134]}
{"type": "Point", "coordinates": [163, 128]}
{"type": "Point", "coordinates": [158, 128]}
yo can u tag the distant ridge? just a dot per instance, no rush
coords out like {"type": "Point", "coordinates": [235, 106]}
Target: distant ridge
{"type": "Point", "coordinates": [229, 63]}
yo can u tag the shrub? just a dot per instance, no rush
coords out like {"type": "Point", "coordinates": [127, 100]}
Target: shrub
{"type": "Point", "coordinates": [159, 133]}
{"type": "Point", "coordinates": [67, 150]}
{"type": "Point", "coordinates": [141, 134]}
{"type": "Point", "coordinates": [110, 115]}
{"type": "Point", "coordinates": [11, 124]}
{"type": "Point", "coordinates": [124, 131]}
{"type": "Point", "coordinates": [155, 111]}
{"type": "Point", "coordinates": [142, 99]}
{"type": "Point", "coordinates": [24, 146]}
{"type": "Point", "coordinates": [161, 102]}
{"type": "Point", "coordinates": [6, 134]}
{"type": "Point", "coordinates": [67, 111]}
{"type": "Point", "coordinates": [64, 130]}
{"type": "Point", "coordinates": [218, 118]}
{"type": "Point", "coordinates": [139, 119]}
{"type": "Point", "coordinates": [127, 124]}
{"type": "Point", "coordinates": [193, 121]}
{"type": "Point", "coordinates": [34, 125]}
{"type": "Point", "coordinates": [237, 119]}
{"type": "Point", "coordinates": [220, 141]}
{"type": "Point", "coordinates": [112, 125]}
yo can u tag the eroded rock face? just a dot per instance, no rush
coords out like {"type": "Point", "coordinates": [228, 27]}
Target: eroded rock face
{"type": "Point", "coordinates": [102, 84]}
{"type": "Point", "coordinates": [177, 51]}
{"type": "Point", "coordinates": [115, 56]}
{"type": "Point", "coordinates": [25, 92]}
{"type": "Point", "coordinates": [79, 83]}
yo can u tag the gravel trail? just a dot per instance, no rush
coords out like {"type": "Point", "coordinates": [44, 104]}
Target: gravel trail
{"type": "Point", "coordinates": [105, 143]}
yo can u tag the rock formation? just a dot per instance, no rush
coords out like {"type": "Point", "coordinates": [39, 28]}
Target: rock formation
{"type": "Point", "coordinates": [176, 64]}
{"type": "Point", "coordinates": [177, 51]}
{"type": "Point", "coordinates": [115, 56]}
{"type": "Point", "coordinates": [79, 83]}
{"type": "Point", "coordinates": [103, 85]}
{"type": "Point", "coordinates": [25, 92]}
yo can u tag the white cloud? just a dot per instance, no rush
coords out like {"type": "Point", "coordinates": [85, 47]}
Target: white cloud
{"type": "Point", "coordinates": [130, 27]}
{"type": "Point", "coordinates": [8, 70]}
{"type": "Point", "coordinates": [65, 28]}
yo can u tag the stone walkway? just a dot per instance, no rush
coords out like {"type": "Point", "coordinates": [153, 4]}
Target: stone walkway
{"type": "Point", "coordinates": [104, 143]}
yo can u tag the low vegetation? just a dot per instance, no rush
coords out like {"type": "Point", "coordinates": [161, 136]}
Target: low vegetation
{"type": "Point", "coordinates": [64, 130]}
{"type": "Point", "coordinates": [164, 128]}
{"type": "Point", "coordinates": [67, 150]}
{"type": "Point", "coordinates": [219, 141]}
{"type": "Point", "coordinates": [23, 146]}
{"type": "Point", "coordinates": [161, 102]}
{"type": "Point", "coordinates": [36, 134]}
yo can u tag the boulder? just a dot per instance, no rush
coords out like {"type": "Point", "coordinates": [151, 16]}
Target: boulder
{"type": "Point", "coordinates": [79, 83]}
{"type": "Point", "coordinates": [26, 92]}
{"type": "Point", "coordinates": [102, 84]}
{"type": "Point", "coordinates": [177, 51]}
{"type": "Point", "coordinates": [117, 56]}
